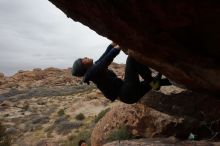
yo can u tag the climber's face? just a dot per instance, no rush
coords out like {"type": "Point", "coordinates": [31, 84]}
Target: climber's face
{"type": "Point", "coordinates": [88, 62]}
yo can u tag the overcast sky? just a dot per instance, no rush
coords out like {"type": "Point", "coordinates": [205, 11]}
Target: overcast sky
{"type": "Point", "coordinates": [36, 34]}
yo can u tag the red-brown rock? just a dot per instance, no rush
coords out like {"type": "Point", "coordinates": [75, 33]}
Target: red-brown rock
{"type": "Point", "coordinates": [161, 142]}
{"type": "Point", "coordinates": [141, 121]}
{"type": "Point", "coordinates": [178, 38]}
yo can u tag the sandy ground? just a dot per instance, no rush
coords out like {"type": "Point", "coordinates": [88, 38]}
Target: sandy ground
{"type": "Point", "coordinates": [28, 119]}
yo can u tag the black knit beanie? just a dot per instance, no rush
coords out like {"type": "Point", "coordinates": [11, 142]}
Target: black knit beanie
{"type": "Point", "coordinates": [78, 69]}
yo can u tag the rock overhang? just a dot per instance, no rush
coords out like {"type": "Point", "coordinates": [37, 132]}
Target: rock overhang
{"type": "Point", "coordinates": [178, 38]}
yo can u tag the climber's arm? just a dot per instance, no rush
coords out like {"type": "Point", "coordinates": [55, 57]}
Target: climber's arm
{"type": "Point", "coordinates": [101, 64]}
{"type": "Point", "coordinates": [112, 45]}
{"type": "Point", "coordinates": [108, 58]}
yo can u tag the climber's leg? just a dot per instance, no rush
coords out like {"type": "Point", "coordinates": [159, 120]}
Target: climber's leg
{"type": "Point", "coordinates": [132, 89]}
{"type": "Point", "coordinates": [144, 72]}
{"type": "Point", "coordinates": [165, 82]}
{"type": "Point", "coordinates": [158, 82]}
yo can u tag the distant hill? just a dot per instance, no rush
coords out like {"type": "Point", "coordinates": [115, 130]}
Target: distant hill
{"type": "Point", "coordinates": [23, 80]}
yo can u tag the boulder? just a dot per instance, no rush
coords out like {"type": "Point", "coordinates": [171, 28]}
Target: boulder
{"type": "Point", "coordinates": [203, 108]}
{"type": "Point", "coordinates": [185, 103]}
{"type": "Point", "coordinates": [141, 121]}
{"type": "Point", "coordinates": [161, 142]}
{"type": "Point", "coordinates": [178, 38]}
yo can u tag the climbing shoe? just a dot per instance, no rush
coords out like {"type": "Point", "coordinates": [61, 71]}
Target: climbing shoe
{"type": "Point", "coordinates": [155, 84]}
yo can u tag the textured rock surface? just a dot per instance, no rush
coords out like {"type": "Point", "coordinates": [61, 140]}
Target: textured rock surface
{"type": "Point", "coordinates": [162, 142]}
{"type": "Point", "coordinates": [178, 38]}
{"type": "Point", "coordinates": [186, 103]}
{"type": "Point", "coordinates": [141, 121]}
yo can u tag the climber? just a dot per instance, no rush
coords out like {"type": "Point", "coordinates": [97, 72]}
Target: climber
{"type": "Point", "coordinates": [129, 90]}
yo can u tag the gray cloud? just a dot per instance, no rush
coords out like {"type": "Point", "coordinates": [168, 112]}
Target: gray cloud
{"type": "Point", "coordinates": [36, 34]}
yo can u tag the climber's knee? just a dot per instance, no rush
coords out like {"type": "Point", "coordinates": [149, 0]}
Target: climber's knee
{"type": "Point", "coordinates": [129, 94]}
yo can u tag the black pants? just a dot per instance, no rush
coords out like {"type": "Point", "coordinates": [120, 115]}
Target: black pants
{"type": "Point", "coordinates": [133, 89]}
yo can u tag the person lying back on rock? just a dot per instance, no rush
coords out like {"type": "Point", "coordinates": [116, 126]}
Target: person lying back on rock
{"type": "Point", "coordinates": [129, 90]}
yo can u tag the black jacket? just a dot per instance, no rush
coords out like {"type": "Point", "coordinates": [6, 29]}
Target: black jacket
{"type": "Point", "coordinates": [105, 79]}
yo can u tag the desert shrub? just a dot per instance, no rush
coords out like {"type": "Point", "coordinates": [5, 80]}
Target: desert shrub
{"type": "Point", "coordinates": [119, 134]}
{"type": "Point", "coordinates": [66, 127]}
{"type": "Point", "coordinates": [101, 115]}
{"type": "Point", "coordinates": [61, 112]}
{"type": "Point", "coordinates": [30, 126]}
{"type": "Point", "coordinates": [11, 131]}
{"type": "Point", "coordinates": [80, 116]}
{"type": "Point", "coordinates": [26, 106]}
{"type": "Point", "coordinates": [6, 115]}
{"type": "Point", "coordinates": [51, 128]}
{"type": "Point", "coordinates": [60, 119]}
{"type": "Point", "coordinates": [13, 92]}
{"type": "Point", "coordinates": [74, 139]}
{"type": "Point", "coordinates": [41, 103]}
{"type": "Point", "coordinates": [63, 126]}
{"type": "Point", "coordinates": [40, 120]}
{"type": "Point", "coordinates": [71, 138]}
{"type": "Point", "coordinates": [4, 138]}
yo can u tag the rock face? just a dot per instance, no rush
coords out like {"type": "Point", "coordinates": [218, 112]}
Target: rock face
{"type": "Point", "coordinates": [162, 142]}
{"type": "Point", "coordinates": [188, 104]}
{"type": "Point", "coordinates": [141, 121]}
{"type": "Point", "coordinates": [176, 113]}
{"type": "Point", "coordinates": [178, 38]}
